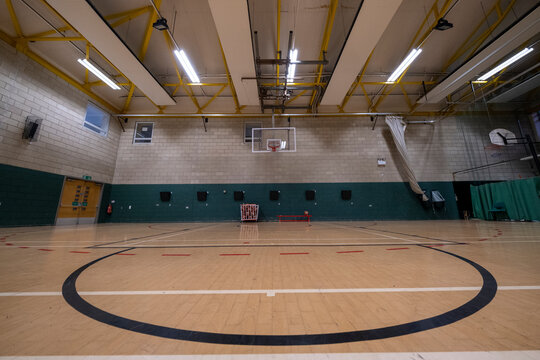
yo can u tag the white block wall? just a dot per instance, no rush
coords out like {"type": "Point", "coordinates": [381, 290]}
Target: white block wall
{"type": "Point", "coordinates": [328, 150]}
{"type": "Point", "coordinates": [64, 146]}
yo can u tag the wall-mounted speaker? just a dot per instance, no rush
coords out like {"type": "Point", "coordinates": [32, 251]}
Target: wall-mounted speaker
{"type": "Point", "coordinates": [165, 195]}
{"type": "Point", "coordinates": [238, 196]}
{"type": "Point", "coordinates": [31, 128]}
{"type": "Point", "coordinates": [346, 194]}
{"type": "Point", "coordinates": [310, 195]}
{"type": "Point", "coordinates": [202, 195]}
{"type": "Point", "coordinates": [274, 195]}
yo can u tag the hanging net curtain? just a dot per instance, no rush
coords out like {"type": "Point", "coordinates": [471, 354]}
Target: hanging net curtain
{"type": "Point", "coordinates": [397, 128]}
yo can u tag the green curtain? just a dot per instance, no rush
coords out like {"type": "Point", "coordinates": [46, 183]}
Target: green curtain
{"type": "Point", "coordinates": [521, 198]}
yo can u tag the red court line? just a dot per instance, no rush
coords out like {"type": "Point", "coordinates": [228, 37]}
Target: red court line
{"type": "Point", "coordinates": [80, 252]}
{"type": "Point", "coordinates": [8, 244]}
{"type": "Point", "coordinates": [293, 253]}
{"type": "Point", "coordinates": [175, 254]}
{"type": "Point", "coordinates": [23, 247]}
{"type": "Point", "coordinates": [246, 242]}
{"type": "Point", "coordinates": [347, 252]}
{"type": "Point", "coordinates": [45, 249]}
{"type": "Point", "coordinates": [482, 240]}
{"type": "Point", "coordinates": [398, 249]}
{"type": "Point", "coordinates": [124, 254]}
{"type": "Point", "coordinates": [233, 254]}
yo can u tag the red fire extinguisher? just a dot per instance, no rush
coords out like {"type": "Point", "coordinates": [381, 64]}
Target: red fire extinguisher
{"type": "Point", "coordinates": [109, 209]}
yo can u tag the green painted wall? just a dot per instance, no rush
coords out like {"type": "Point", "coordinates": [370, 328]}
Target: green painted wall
{"type": "Point", "coordinates": [370, 201]}
{"type": "Point", "coordinates": [28, 197]}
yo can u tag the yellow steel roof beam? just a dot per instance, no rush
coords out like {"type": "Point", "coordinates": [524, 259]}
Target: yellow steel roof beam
{"type": "Point", "coordinates": [214, 97]}
{"type": "Point", "coordinates": [229, 81]}
{"type": "Point", "coordinates": [142, 52]}
{"type": "Point", "coordinates": [326, 39]}
{"type": "Point", "coordinates": [14, 20]}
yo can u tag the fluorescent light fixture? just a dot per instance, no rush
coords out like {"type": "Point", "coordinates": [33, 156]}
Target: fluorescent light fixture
{"type": "Point", "coordinates": [98, 73]}
{"type": "Point", "coordinates": [404, 65]}
{"type": "Point", "coordinates": [505, 64]}
{"type": "Point", "coordinates": [182, 57]}
{"type": "Point", "coordinates": [293, 55]}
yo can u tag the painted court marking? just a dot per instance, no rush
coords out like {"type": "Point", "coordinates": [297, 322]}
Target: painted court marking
{"type": "Point", "coordinates": [272, 292]}
{"type": "Point", "coordinates": [465, 355]}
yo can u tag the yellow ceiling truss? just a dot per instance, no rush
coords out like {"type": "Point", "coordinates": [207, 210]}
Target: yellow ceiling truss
{"type": "Point", "coordinates": [326, 39]}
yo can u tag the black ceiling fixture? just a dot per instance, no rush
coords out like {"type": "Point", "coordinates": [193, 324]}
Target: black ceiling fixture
{"type": "Point", "coordinates": [443, 24]}
{"type": "Point", "coordinates": [161, 24]}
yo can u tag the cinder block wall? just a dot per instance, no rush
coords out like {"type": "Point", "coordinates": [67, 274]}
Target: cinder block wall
{"type": "Point", "coordinates": [330, 150]}
{"type": "Point", "coordinates": [64, 146]}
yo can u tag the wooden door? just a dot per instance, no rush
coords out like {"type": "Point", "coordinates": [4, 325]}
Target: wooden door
{"type": "Point", "coordinates": [79, 203]}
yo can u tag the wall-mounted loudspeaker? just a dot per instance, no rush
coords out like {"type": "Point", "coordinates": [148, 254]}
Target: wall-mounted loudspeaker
{"type": "Point", "coordinates": [238, 196]}
{"type": "Point", "coordinates": [274, 195]}
{"type": "Point", "coordinates": [31, 128]}
{"type": "Point", "coordinates": [310, 195]}
{"type": "Point", "coordinates": [165, 195]}
{"type": "Point", "coordinates": [202, 195]}
{"type": "Point", "coordinates": [346, 194]}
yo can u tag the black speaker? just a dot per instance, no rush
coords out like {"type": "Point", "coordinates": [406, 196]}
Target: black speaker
{"type": "Point", "coordinates": [310, 195]}
{"type": "Point", "coordinates": [346, 194]}
{"type": "Point", "coordinates": [238, 195]}
{"type": "Point", "coordinates": [274, 195]}
{"type": "Point", "coordinates": [202, 195]}
{"type": "Point", "coordinates": [165, 195]}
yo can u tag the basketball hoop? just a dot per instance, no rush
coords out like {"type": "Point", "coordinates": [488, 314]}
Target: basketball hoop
{"type": "Point", "coordinates": [274, 144]}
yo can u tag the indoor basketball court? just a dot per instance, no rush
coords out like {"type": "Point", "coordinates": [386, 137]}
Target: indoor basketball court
{"type": "Point", "coordinates": [269, 179]}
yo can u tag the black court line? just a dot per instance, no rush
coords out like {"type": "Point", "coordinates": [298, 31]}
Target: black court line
{"type": "Point", "coordinates": [412, 235]}
{"type": "Point", "coordinates": [271, 245]}
{"type": "Point", "coordinates": [104, 245]}
{"type": "Point", "coordinates": [482, 298]}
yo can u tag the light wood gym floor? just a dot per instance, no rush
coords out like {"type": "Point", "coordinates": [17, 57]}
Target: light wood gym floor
{"type": "Point", "coordinates": [370, 290]}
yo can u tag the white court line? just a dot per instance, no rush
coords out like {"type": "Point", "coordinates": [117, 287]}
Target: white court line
{"type": "Point", "coordinates": [179, 232]}
{"type": "Point", "coordinates": [271, 292]}
{"type": "Point", "coordinates": [462, 355]}
{"type": "Point", "coordinates": [373, 233]}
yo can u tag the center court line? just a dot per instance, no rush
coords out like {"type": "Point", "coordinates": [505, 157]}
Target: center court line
{"type": "Point", "coordinates": [272, 292]}
{"type": "Point", "coordinates": [465, 355]}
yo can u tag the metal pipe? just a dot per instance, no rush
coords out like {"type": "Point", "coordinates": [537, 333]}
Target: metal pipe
{"type": "Point", "coordinates": [233, 115]}
{"type": "Point", "coordinates": [287, 62]}
{"type": "Point", "coordinates": [426, 122]}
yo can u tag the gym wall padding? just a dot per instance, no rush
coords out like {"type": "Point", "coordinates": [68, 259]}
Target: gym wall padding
{"type": "Point", "coordinates": [28, 197]}
{"type": "Point", "coordinates": [521, 198]}
{"type": "Point", "coordinates": [370, 201]}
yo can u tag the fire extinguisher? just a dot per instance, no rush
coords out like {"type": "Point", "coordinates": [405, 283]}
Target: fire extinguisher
{"type": "Point", "coordinates": [109, 209]}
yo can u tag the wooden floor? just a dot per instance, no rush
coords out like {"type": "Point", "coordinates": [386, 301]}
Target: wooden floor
{"type": "Point", "coordinates": [324, 290]}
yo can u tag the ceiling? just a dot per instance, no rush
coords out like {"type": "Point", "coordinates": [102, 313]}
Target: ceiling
{"type": "Point", "coordinates": [347, 50]}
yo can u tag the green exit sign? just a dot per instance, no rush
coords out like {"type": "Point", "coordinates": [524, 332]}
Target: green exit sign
{"type": "Point", "coordinates": [87, 177]}
{"type": "Point", "coordinates": [75, 203]}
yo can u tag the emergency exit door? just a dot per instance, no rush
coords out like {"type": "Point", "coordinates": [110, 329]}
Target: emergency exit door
{"type": "Point", "coordinates": [79, 203]}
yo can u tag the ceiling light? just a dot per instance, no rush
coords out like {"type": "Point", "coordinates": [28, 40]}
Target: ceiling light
{"type": "Point", "coordinates": [182, 57]}
{"type": "Point", "coordinates": [161, 24]}
{"type": "Point", "coordinates": [293, 55]}
{"type": "Point", "coordinates": [505, 64]}
{"type": "Point", "coordinates": [98, 73]}
{"type": "Point", "coordinates": [404, 65]}
{"type": "Point", "coordinates": [443, 24]}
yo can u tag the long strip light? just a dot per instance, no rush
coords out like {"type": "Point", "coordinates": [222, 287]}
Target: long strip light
{"type": "Point", "coordinates": [404, 65]}
{"type": "Point", "coordinates": [505, 64]}
{"type": "Point", "coordinates": [182, 57]}
{"type": "Point", "coordinates": [98, 73]}
{"type": "Point", "coordinates": [293, 56]}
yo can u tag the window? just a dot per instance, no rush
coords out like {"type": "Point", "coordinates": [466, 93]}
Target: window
{"type": "Point", "coordinates": [96, 119]}
{"type": "Point", "coordinates": [143, 132]}
{"type": "Point", "coordinates": [248, 133]}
